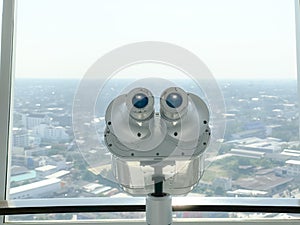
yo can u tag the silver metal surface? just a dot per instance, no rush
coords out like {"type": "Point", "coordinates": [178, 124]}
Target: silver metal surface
{"type": "Point", "coordinates": [159, 210]}
{"type": "Point", "coordinates": [176, 201]}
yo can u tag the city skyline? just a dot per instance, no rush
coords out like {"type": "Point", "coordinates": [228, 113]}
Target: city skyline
{"type": "Point", "coordinates": [259, 157]}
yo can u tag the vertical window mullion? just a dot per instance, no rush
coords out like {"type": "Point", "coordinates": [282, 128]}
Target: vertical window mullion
{"type": "Point", "coordinates": [297, 22]}
{"type": "Point", "coordinates": [7, 40]}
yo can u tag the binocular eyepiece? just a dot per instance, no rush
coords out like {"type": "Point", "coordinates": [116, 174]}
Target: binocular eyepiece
{"type": "Point", "coordinates": [140, 103]}
{"type": "Point", "coordinates": [173, 103]}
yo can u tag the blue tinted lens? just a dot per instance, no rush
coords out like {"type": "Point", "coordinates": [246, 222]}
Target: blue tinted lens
{"type": "Point", "coordinates": [174, 100]}
{"type": "Point", "coordinates": [140, 100]}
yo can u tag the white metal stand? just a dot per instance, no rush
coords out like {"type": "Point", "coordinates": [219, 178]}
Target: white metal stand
{"type": "Point", "coordinates": [159, 209]}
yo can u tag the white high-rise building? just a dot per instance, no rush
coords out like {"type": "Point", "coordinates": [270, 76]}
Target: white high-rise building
{"type": "Point", "coordinates": [49, 132]}
{"type": "Point", "coordinates": [33, 120]}
{"type": "Point", "coordinates": [20, 138]}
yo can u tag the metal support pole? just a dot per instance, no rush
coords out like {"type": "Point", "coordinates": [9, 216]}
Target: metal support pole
{"type": "Point", "coordinates": [159, 210]}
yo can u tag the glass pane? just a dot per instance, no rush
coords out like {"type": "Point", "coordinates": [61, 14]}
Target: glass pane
{"type": "Point", "coordinates": [249, 47]}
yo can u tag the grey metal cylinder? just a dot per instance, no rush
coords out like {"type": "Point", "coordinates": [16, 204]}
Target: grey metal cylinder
{"type": "Point", "coordinates": [159, 210]}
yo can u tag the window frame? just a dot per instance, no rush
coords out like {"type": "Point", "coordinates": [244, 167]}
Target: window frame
{"type": "Point", "coordinates": [7, 55]}
{"type": "Point", "coordinates": [6, 84]}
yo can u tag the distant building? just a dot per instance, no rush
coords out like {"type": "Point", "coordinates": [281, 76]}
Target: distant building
{"type": "Point", "coordinates": [266, 146]}
{"type": "Point", "coordinates": [18, 151]}
{"type": "Point", "coordinates": [48, 132]}
{"type": "Point", "coordinates": [286, 154]}
{"type": "Point", "coordinates": [271, 128]}
{"type": "Point", "coordinates": [18, 160]}
{"type": "Point", "coordinates": [33, 120]}
{"type": "Point", "coordinates": [20, 178]}
{"type": "Point", "coordinates": [17, 170]}
{"type": "Point", "coordinates": [247, 153]}
{"type": "Point", "coordinates": [246, 169]}
{"type": "Point", "coordinates": [59, 161]}
{"type": "Point", "coordinates": [59, 174]}
{"type": "Point", "coordinates": [269, 183]}
{"type": "Point", "coordinates": [96, 189]}
{"type": "Point", "coordinates": [257, 148]}
{"type": "Point", "coordinates": [20, 138]}
{"type": "Point", "coordinates": [44, 188]}
{"type": "Point", "coordinates": [263, 172]}
{"type": "Point", "coordinates": [44, 171]}
{"type": "Point", "coordinates": [261, 133]}
{"type": "Point", "coordinates": [289, 153]}
{"type": "Point", "coordinates": [38, 151]}
{"type": "Point", "coordinates": [222, 182]}
{"type": "Point", "coordinates": [254, 125]}
{"type": "Point", "coordinates": [293, 167]}
{"type": "Point", "coordinates": [247, 193]}
{"type": "Point", "coordinates": [24, 138]}
{"type": "Point", "coordinates": [63, 119]}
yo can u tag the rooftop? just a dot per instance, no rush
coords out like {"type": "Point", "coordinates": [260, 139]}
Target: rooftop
{"type": "Point", "coordinates": [45, 168]}
{"type": "Point", "coordinates": [293, 162]}
{"type": "Point", "coordinates": [33, 186]}
{"type": "Point", "coordinates": [247, 192]}
{"type": "Point", "coordinates": [262, 183]}
{"type": "Point", "coordinates": [58, 174]}
{"type": "Point", "coordinates": [290, 152]}
{"type": "Point", "coordinates": [247, 153]}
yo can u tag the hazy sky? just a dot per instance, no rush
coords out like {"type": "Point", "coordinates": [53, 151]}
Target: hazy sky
{"type": "Point", "coordinates": [235, 38]}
